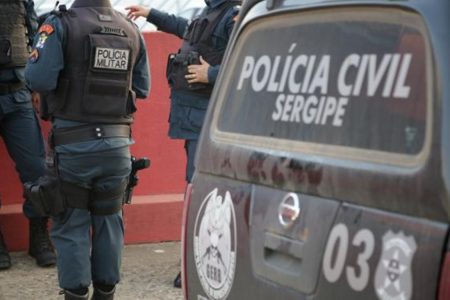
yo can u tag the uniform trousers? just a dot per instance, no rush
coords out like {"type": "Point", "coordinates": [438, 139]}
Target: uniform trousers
{"type": "Point", "coordinates": [21, 133]}
{"type": "Point", "coordinates": [88, 246]}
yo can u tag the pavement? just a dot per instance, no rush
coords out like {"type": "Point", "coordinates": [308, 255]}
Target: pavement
{"type": "Point", "coordinates": [147, 273]}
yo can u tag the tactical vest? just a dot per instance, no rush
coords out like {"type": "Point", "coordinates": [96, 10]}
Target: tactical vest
{"type": "Point", "coordinates": [13, 34]}
{"type": "Point", "coordinates": [197, 42]}
{"type": "Point", "coordinates": [100, 47]}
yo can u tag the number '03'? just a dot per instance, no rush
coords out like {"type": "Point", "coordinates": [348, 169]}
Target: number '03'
{"type": "Point", "coordinates": [339, 237]}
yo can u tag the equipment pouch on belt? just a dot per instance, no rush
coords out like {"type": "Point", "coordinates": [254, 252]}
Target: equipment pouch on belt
{"type": "Point", "coordinates": [45, 195]}
{"type": "Point", "coordinates": [5, 52]}
{"type": "Point", "coordinates": [177, 68]}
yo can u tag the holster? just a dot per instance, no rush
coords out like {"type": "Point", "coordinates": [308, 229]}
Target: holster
{"type": "Point", "coordinates": [133, 179]}
{"type": "Point", "coordinates": [45, 195]}
{"type": "Point", "coordinates": [50, 196]}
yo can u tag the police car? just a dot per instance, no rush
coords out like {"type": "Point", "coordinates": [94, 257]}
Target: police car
{"type": "Point", "coordinates": [323, 170]}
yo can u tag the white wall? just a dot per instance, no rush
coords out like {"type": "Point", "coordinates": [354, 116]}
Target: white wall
{"type": "Point", "coordinates": [184, 8]}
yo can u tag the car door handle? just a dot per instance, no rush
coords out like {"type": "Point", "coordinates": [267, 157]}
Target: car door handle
{"type": "Point", "coordinates": [283, 254]}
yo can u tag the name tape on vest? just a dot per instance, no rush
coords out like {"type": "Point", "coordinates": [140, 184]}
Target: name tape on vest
{"type": "Point", "coordinates": [111, 59]}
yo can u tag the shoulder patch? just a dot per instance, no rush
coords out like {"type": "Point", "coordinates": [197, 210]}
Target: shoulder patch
{"type": "Point", "coordinates": [41, 41]}
{"type": "Point", "coordinates": [47, 29]}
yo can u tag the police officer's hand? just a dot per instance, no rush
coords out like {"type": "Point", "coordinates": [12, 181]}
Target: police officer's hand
{"type": "Point", "coordinates": [136, 11]}
{"type": "Point", "coordinates": [198, 73]}
{"type": "Point", "coordinates": [36, 101]}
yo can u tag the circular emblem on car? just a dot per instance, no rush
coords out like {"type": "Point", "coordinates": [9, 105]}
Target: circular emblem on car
{"type": "Point", "coordinates": [289, 210]}
{"type": "Point", "coordinates": [215, 244]}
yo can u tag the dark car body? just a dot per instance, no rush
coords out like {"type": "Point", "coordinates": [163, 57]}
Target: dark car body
{"type": "Point", "coordinates": [323, 167]}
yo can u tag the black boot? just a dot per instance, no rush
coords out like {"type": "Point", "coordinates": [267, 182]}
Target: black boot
{"type": "Point", "coordinates": [177, 281]}
{"type": "Point", "coordinates": [68, 295]}
{"type": "Point", "coordinates": [5, 259]}
{"type": "Point", "coordinates": [100, 294]}
{"type": "Point", "coordinates": [40, 246]}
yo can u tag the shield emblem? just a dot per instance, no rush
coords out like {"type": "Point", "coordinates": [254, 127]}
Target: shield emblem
{"type": "Point", "coordinates": [215, 244]}
{"type": "Point", "coordinates": [393, 277]}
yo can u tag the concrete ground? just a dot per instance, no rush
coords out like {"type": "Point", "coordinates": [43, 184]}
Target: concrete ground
{"type": "Point", "coordinates": [147, 273]}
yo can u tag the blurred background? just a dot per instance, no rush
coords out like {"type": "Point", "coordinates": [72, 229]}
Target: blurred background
{"type": "Point", "coordinates": [184, 8]}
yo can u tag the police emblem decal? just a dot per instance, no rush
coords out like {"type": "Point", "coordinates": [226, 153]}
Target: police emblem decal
{"type": "Point", "coordinates": [215, 244]}
{"type": "Point", "coordinates": [44, 32]}
{"type": "Point", "coordinates": [41, 41]}
{"type": "Point", "coordinates": [393, 277]}
{"type": "Point", "coordinates": [47, 29]}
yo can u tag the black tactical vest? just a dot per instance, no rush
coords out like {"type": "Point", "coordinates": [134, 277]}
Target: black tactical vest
{"type": "Point", "coordinates": [100, 47]}
{"type": "Point", "coordinates": [13, 34]}
{"type": "Point", "coordinates": [197, 42]}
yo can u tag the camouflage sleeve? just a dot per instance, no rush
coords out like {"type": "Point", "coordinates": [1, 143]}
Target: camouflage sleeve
{"type": "Point", "coordinates": [31, 20]}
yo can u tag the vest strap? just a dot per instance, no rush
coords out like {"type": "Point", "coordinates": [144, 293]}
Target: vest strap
{"type": "Point", "coordinates": [215, 17]}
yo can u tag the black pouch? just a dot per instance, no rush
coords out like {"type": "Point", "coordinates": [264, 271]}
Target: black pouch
{"type": "Point", "coordinates": [55, 101]}
{"type": "Point", "coordinates": [45, 195]}
{"type": "Point", "coordinates": [170, 63]}
{"type": "Point", "coordinates": [177, 69]}
{"type": "Point", "coordinates": [131, 102]}
{"type": "Point", "coordinates": [5, 52]}
{"type": "Point", "coordinates": [106, 86]}
{"type": "Point", "coordinates": [194, 59]}
{"type": "Point", "coordinates": [210, 54]}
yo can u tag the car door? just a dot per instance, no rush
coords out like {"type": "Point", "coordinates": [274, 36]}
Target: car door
{"type": "Point", "coordinates": [324, 134]}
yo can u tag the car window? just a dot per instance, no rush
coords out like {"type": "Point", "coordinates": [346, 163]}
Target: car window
{"type": "Point", "coordinates": [352, 78]}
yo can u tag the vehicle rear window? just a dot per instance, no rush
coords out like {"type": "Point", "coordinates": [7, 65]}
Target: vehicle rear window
{"type": "Point", "coordinates": [349, 77]}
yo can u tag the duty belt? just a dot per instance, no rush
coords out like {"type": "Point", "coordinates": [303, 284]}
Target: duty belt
{"type": "Point", "coordinates": [9, 88]}
{"type": "Point", "coordinates": [71, 135]}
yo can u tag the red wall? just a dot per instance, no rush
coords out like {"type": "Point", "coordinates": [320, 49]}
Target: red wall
{"type": "Point", "coordinates": [166, 174]}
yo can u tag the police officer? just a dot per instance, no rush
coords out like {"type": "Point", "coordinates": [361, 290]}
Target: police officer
{"type": "Point", "coordinates": [19, 126]}
{"type": "Point", "coordinates": [92, 63]}
{"type": "Point", "coordinates": [192, 72]}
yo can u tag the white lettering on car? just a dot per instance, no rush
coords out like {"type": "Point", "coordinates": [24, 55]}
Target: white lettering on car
{"type": "Point", "coordinates": [393, 276]}
{"type": "Point", "coordinates": [302, 83]}
{"type": "Point", "coordinates": [291, 108]}
{"type": "Point", "coordinates": [363, 237]}
{"type": "Point", "coordinates": [357, 278]}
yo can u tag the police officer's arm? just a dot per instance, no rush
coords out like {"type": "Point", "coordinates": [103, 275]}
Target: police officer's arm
{"type": "Point", "coordinates": [47, 58]}
{"type": "Point", "coordinates": [164, 21]}
{"type": "Point", "coordinates": [167, 22]}
{"type": "Point", "coordinates": [141, 73]}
